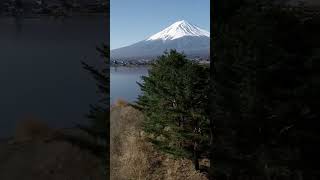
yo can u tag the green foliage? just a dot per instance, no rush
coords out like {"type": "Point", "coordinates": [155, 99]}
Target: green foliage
{"type": "Point", "coordinates": [99, 114]}
{"type": "Point", "coordinates": [265, 75]}
{"type": "Point", "coordinates": [175, 102]}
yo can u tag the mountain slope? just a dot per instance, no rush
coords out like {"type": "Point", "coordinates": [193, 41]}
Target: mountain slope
{"type": "Point", "coordinates": [181, 35]}
{"type": "Point", "coordinates": [178, 30]}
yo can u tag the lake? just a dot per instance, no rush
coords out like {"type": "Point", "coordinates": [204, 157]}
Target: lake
{"type": "Point", "coordinates": [123, 82]}
{"type": "Point", "coordinates": [41, 72]}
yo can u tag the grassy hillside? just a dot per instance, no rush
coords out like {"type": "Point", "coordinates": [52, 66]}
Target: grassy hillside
{"type": "Point", "coordinates": [37, 152]}
{"type": "Point", "coordinates": [135, 158]}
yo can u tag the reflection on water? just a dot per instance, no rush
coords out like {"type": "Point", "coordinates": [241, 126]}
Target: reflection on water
{"type": "Point", "coordinates": [18, 22]}
{"type": "Point", "coordinates": [41, 72]}
{"type": "Point", "coordinates": [123, 82]}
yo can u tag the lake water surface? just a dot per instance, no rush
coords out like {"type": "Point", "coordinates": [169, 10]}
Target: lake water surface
{"type": "Point", "coordinates": [41, 72]}
{"type": "Point", "coordinates": [123, 82]}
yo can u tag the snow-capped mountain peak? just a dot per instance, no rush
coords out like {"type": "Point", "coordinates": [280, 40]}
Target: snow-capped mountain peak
{"type": "Point", "coordinates": [181, 36]}
{"type": "Point", "coordinates": [177, 30]}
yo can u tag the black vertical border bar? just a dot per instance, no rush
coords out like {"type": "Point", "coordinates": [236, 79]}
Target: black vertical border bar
{"type": "Point", "coordinates": [212, 70]}
{"type": "Point", "coordinates": [108, 72]}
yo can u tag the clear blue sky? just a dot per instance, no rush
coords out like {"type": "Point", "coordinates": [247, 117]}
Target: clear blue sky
{"type": "Point", "coordinates": [135, 20]}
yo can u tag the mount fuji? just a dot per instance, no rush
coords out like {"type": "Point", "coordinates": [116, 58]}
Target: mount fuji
{"type": "Point", "coordinates": [181, 35]}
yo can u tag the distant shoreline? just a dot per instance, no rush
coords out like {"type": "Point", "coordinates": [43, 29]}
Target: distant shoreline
{"type": "Point", "coordinates": [130, 65]}
{"type": "Point", "coordinates": [33, 16]}
{"type": "Point", "coordinates": [146, 64]}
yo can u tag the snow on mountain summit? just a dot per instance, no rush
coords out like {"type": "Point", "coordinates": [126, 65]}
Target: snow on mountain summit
{"type": "Point", "coordinates": [177, 30]}
{"type": "Point", "coordinates": [181, 36]}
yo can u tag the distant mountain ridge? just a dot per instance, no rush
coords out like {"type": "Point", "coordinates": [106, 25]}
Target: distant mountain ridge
{"type": "Point", "coordinates": [181, 35]}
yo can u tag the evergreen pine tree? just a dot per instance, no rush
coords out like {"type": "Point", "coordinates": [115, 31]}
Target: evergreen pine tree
{"type": "Point", "coordinates": [175, 101]}
{"type": "Point", "coordinates": [99, 114]}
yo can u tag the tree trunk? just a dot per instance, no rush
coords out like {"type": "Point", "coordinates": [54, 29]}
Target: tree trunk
{"type": "Point", "coordinates": [196, 160]}
{"type": "Point", "coordinates": [195, 143]}
{"type": "Point", "coordinates": [196, 156]}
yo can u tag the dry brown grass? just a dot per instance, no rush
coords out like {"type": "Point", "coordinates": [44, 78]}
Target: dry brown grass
{"type": "Point", "coordinates": [36, 154]}
{"type": "Point", "coordinates": [120, 103]}
{"type": "Point", "coordinates": [132, 157]}
{"type": "Point", "coordinates": [31, 128]}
